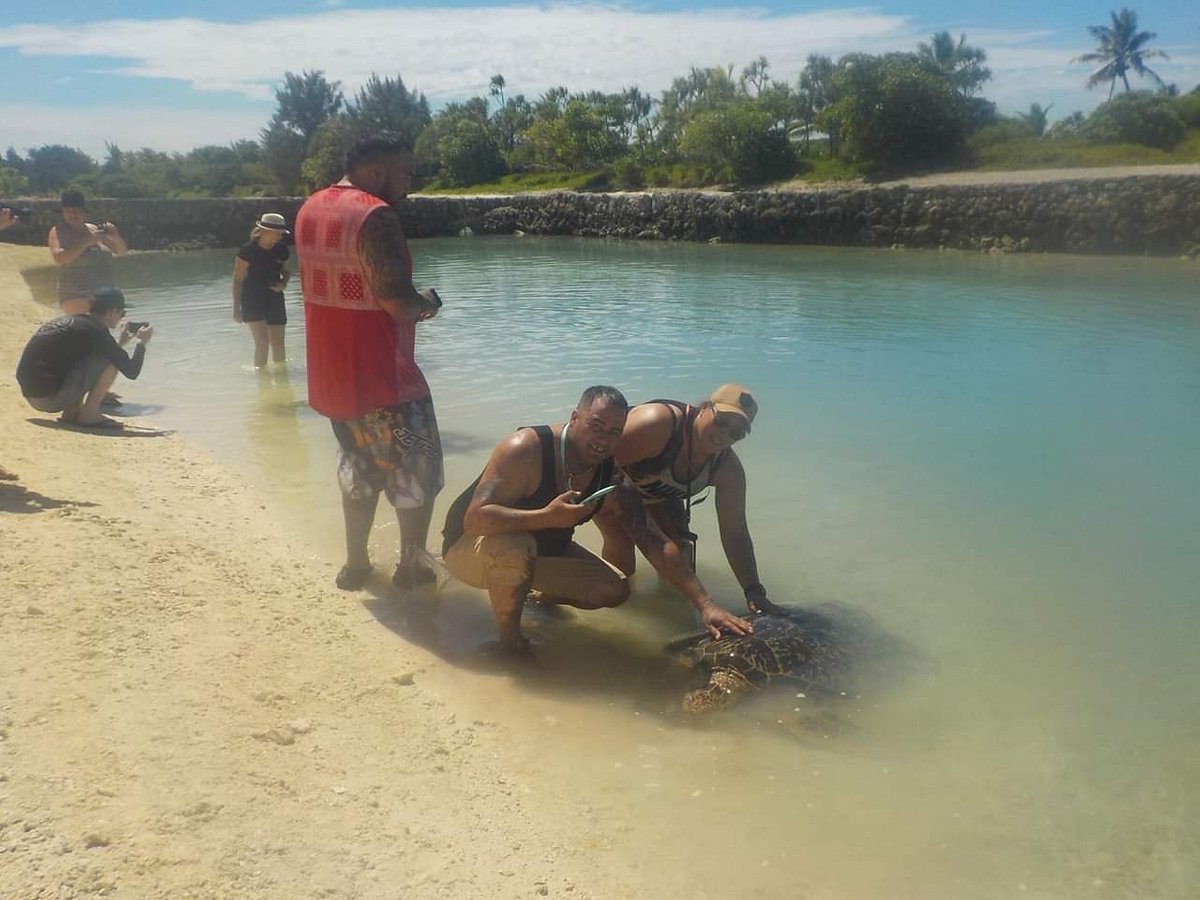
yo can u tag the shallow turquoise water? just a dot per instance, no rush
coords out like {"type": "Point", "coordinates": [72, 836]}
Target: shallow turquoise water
{"type": "Point", "coordinates": [994, 456]}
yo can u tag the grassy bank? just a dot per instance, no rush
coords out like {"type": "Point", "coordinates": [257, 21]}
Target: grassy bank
{"type": "Point", "coordinates": [1026, 153]}
{"type": "Point", "coordinates": [1040, 153]}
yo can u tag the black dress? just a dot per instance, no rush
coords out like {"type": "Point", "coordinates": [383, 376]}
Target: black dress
{"type": "Point", "coordinates": [264, 268]}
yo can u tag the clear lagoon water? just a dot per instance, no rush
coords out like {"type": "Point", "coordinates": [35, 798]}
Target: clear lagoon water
{"type": "Point", "coordinates": [995, 457]}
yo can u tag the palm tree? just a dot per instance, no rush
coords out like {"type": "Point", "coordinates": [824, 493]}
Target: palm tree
{"type": "Point", "coordinates": [1037, 118]}
{"type": "Point", "coordinates": [756, 75]}
{"type": "Point", "coordinates": [1119, 48]}
{"type": "Point", "coordinates": [962, 63]}
{"type": "Point", "coordinates": [496, 88]}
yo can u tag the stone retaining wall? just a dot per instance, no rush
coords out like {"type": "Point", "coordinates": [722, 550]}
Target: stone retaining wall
{"type": "Point", "coordinates": [1153, 214]}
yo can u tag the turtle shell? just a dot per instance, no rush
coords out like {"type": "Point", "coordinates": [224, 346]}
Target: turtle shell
{"type": "Point", "coordinates": [808, 646]}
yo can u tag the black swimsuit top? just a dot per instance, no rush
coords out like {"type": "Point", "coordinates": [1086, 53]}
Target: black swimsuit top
{"type": "Point", "coordinates": [550, 541]}
{"type": "Point", "coordinates": [655, 477]}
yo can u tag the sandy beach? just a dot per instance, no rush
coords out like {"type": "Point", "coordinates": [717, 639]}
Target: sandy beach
{"type": "Point", "coordinates": [191, 710]}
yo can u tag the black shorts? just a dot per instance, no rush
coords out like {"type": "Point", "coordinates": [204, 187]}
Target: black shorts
{"type": "Point", "coordinates": [265, 309]}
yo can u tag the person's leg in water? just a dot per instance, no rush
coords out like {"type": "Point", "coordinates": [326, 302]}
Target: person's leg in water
{"type": "Point", "coordinates": [507, 566]}
{"type": "Point", "coordinates": [412, 570]}
{"type": "Point", "coordinates": [619, 549]}
{"type": "Point", "coordinates": [258, 331]}
{"type": "Point", "coordinates": [360, 496]}
{"type": "Point", "coordinates": [275, 339]}
{"type": "Point", "coordinates": [503, 566]}
{"type": "Point", "coordinates": [414, 484]}
{"type": "Point", "coordinates": [358, 514]}
{"type": "Point", "coordinates": [579, 578]}
{"type": "Point", "coordinates": [87, 411]}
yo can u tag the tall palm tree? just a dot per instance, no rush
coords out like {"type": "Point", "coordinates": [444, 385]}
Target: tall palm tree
{"type": "Point", "coordinates": [1120, 47]}
{"type": "Point", "coordinates": [962, 63]}
{"type": "Point", "coordinates": [496, 88]}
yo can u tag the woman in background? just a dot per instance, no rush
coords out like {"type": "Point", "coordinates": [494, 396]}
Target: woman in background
{"type": "Point", "coordinates": [260, 274]}
{"type": "Point", "coordinates": [84, 253]}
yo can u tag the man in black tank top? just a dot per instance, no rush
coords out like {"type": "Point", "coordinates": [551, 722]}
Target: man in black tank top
{"type": "Point", "coordinates": [672, 451]}
{"type": "Point", "coordinates": [512, 529]}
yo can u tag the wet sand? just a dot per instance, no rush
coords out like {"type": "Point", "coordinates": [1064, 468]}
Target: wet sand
{"type": "Point", "coordinates": [190, 709]}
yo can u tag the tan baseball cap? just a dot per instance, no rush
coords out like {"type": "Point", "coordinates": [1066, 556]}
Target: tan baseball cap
{"type": "Point", "coordinates": [733, 398]}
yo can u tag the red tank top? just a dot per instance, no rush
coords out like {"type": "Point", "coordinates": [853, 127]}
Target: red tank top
{"type": "Point", "coordinates": [359, 357]}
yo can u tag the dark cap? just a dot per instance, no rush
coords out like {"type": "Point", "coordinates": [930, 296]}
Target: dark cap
{"type": "Point", "coordinates": [107, 298]}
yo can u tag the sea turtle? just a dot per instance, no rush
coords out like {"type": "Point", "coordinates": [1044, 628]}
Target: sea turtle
{"type": "Point", "coordinates": [820, 649]}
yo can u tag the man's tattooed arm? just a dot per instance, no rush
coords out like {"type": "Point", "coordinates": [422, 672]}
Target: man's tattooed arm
{"type": "Point", "coordinates": [668, 559]}
{"type": "Point", "coordinates": [488, 491]}
{"type": "Point", "coordinates": [385, 264]}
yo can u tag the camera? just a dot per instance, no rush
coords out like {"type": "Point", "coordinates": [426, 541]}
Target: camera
{"type": "Point", "coordinates": [17, 211]}
{"type": "Point", "coordinates": [135, 327]}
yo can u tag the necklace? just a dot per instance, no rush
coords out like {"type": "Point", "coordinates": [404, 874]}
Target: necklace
{"type": "Point", "coordinates": [562, 453]}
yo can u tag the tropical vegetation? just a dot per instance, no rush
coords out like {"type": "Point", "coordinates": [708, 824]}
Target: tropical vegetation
{"type": "Point", "coordinates": [861, 114]}
{"type": "Point", "coordinates": [1120, 49]}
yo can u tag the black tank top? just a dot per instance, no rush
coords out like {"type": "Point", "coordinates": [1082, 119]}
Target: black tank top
{"type": "Point", "coordinates": [550, 541]}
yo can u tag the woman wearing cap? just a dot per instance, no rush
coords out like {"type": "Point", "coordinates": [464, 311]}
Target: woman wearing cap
{"type": "Point", "coordinates": [260, 274]}
{"type": "Point", "coordinates": [672, 451]}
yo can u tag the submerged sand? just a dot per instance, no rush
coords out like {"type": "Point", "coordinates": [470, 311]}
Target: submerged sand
{"type": "Point", "coordinates": [189, 709]}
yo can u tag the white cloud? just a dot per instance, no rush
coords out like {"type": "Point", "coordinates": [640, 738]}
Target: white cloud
{"type": "Point", "coordinates": [132, 128]}
{"type": "Point", "coordinates": [451, 53]}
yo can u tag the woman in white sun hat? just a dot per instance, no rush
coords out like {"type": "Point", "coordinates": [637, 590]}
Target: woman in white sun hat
{"type": "Point", "coordinates": [260, 274]}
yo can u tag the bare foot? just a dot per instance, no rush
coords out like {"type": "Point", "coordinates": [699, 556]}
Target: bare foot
{"type": "Point", "coordinates": [541, 598]}
{"type": "Point", "coordinates": [518, 648]}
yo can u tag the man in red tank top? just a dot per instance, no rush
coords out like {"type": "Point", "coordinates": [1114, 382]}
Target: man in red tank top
{"type": "Point", "coordinates": [361, 311]}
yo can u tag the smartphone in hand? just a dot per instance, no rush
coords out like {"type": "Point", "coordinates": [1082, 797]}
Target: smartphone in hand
{"type": "Point", "coordinates": [598, 495]}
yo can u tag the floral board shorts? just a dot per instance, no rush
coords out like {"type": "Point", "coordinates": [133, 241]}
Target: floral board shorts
{"type": "Point", "coordinates": [395, 449]}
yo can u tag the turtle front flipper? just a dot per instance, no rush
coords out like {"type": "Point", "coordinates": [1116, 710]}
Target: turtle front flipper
{"type": "Point", "coordinates": [725, 686]}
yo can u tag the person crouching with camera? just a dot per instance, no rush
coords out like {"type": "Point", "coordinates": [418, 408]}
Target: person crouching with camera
{"type": "Point", "coordinates": [71, 362]}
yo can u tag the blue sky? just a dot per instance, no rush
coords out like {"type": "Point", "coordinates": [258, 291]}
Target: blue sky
{"type": "Point", "coordinates": [177, 76]}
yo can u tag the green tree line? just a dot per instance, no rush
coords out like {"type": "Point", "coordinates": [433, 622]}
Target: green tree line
{"type": "Point", "coordinates": [892, 112]}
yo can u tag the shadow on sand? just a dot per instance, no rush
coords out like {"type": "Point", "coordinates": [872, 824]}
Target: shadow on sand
{"type": "Point", "coordinates": [16, 498]}
{"type": "Point", "coordinates": [125, 431]}
{"type": "Point", "coordinates": [570, 656]}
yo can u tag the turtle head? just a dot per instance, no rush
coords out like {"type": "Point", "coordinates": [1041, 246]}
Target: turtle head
{"type": "Point", "coordinates": [702, 700]}
{"type": "Point", "coordinates": [724, 687]}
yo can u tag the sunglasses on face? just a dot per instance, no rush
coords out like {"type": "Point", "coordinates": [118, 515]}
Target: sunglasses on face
{"type": "Point", "coordinates": [733, 426]}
